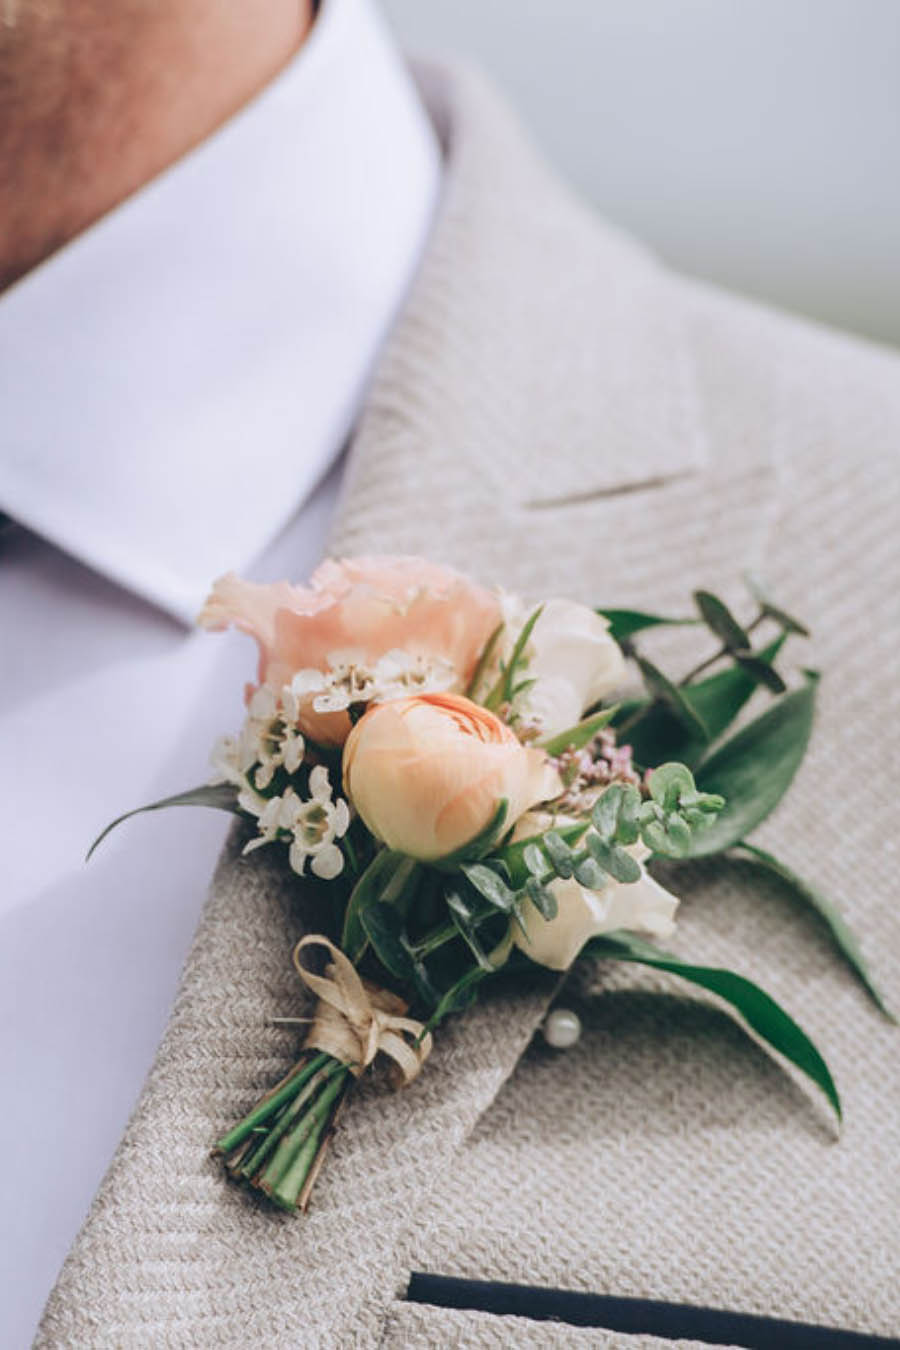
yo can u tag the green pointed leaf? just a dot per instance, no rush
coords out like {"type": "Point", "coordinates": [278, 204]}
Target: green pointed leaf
{"type": "Point", "coordinates": [521, 687]}
{"type": "Point", "coordinates": [384, 867]}
{"type": "Point", "coordinates": [462, 918]}
{"type": "Point", "coordinates": [760, 593]}
{"type": "Point", "coordinates": [758, 1009]}
{"type": "Point", "coordinates": [574, 738]}
{"type": "Point", "coordinates": [840, 930]}
{"type": "Point", "coordinates": [424, 986]}
{"type": "Point", "coordinates": [458, 996]}
{"type": "Point", "coordinates": [502, 691]}
{"type": "Point", "coordinates": [518, 652]}
{"type": "Point", "coordinates": [716, 700]}
{"type": "Point", "coordinates": [720, 621]}
{"type": "Point", "coordinates": [660, 687]}
{"type": "Point", "coordinates": [383, 926]}
{"type": "Point", "coordinates": [221, 796]}
{"type": "Point", "coordinates": [719, 698]}
{"type": "Point", "coordinates": [624, 623]}
{"type": "Point", "coordinates": [760, 672]}
{"type": "Point", "coordinates": [754, 769]}
{"type": "Point", "coordinates": [487, 652]}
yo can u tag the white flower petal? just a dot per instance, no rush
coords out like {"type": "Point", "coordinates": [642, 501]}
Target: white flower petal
{"type": "Point", "coordinates": [336, 700]}
{"type": "Point", "coordinates": [328, 862]}
{"type": "Point", "coordinates": [319, 784]}
{"type": "Point", "coordinates": [291, 807]}
{"type": "Point", "coordinates": [293, 748]}
{"type": "Point", "coordinates": [251, 802]}
{"type": "Point", "coordinates": [639, 907]}
{"type": "Point", "coordinates": [269, 816]}
{"type": "Point", "coordinates": [255, 843]}
{"type": "Point", "coordinates": [644, 907]}
{"type": "Point", "coordinates": [290, 705]}
{"type": "Point", "coordinates": [573, 659]}
{"type": "Point", "coordinates": [263, 704]}
{"type": "Point", "coordinates": [341, 818]}
{"type": "Point", "coordinates": [307, 682]}
{"type": "Point", "coordinates": [297, 856]}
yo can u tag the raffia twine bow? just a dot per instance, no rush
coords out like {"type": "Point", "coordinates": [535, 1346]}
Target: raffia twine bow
{"type": "Point", "coordinates": [354, 1019]}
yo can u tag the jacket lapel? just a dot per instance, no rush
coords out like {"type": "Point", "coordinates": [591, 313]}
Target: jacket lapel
{"type": "Point", "coordinates": [541, 358]}
{"type": "Point", "coordinates": [539, 417]}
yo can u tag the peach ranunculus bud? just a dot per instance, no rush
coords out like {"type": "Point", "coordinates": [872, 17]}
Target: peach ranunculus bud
{"type": "Point", "coordinates": [357, 610]}
{"type": "Point", "coordinates": [427, 773]}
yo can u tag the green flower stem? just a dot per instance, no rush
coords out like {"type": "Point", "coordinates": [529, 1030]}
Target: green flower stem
{"type": "Point", "coordinates": [287, 1193]}
{"type": "Point", "coordinates": [263, 1147]}
{"type": "Point", "coordinates": [271, 1103]}
{"type": "Point", "coordinates": [724, 651]}
{"type": "Point", "coordinates": [278, 1147]}
{"type": "Point", "coordinates": [435, 939]}
{"type": "Point", "coordinates": [285, 1133]}
{"type": "Point", "coordinates": [287, 1189]}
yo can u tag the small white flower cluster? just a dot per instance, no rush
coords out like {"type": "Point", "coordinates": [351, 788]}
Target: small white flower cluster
{"type": "Point", "coordinates": [312, 825]}
{"type": "Point", "coordinates": [268, 741]}
{"type": "Point", "coordinates": [349, 679]}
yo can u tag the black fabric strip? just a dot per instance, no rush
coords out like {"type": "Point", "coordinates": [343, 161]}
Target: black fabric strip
{"type": "Point", "coordinates": [636, 1316]}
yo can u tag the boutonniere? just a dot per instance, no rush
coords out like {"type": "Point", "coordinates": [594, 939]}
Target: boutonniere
{"type": "Point", "coordinates": [458, 774]}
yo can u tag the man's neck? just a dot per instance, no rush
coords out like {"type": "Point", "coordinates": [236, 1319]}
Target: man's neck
{"type": "Point", "coordinates": [95, 100]}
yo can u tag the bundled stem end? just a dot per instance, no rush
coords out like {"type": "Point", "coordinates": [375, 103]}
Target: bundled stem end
{"type": "Point", "coordinates": [279, 1146]}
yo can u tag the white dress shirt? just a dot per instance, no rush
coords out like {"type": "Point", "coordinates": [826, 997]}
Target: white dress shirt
{"type": "Point", "coordinates": [176, 386]}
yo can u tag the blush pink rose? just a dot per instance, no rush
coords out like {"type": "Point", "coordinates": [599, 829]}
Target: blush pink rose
{"type": "Point", "coordinates": [371, 605]}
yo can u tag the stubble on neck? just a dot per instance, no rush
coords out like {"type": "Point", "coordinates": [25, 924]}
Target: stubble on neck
{"type": "Point", "coordinates": [98, 98]}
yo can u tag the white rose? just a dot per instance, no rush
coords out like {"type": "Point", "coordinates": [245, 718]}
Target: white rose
{"type": "Point", "coordinates": [573, 660]}
{"type": "Point", "coordinates": [639, 907]}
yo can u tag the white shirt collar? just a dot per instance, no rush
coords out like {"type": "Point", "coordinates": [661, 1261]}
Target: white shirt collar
{"type": "Point", "coordinates": [178, 378]}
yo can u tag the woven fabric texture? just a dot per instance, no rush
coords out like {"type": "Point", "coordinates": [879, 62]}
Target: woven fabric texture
{"type": "Point", "coordinates": [557, 412]}
{"type": "Point", "coordinates": [412, 1326]}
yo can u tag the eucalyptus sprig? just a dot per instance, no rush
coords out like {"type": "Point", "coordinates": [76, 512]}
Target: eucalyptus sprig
{"type": "Point", "coordinates": [677, 811]}
{"type": "Point", "coordinates": [596, 851]}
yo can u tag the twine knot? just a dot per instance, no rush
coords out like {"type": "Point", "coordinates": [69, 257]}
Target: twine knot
{"type": "Point", "coordinates": [354, 1019]}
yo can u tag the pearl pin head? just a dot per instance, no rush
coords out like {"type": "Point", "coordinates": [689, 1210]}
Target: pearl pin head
{"type": "Point", "coordinates": [561, 1028]}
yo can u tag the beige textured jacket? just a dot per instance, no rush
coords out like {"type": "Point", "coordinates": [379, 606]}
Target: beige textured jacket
{"type": "Point", "coordinates": [558, 412]}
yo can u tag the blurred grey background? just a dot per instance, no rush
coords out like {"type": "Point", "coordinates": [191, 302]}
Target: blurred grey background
{"type": "Point", "coordinates": [753, 142]}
